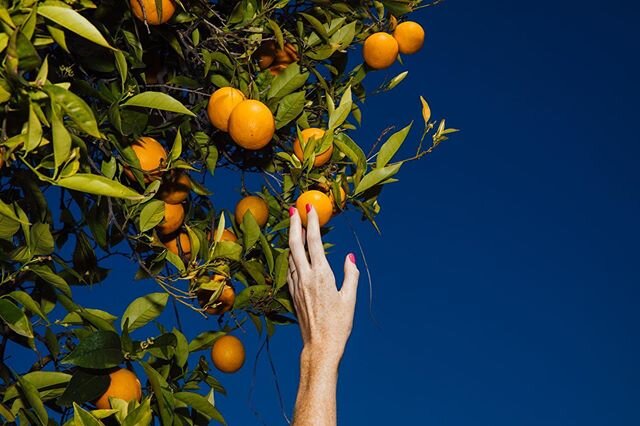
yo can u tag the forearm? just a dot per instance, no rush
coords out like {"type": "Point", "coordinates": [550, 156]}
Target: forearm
{"type": "Point", "coordinates": [316, 400]}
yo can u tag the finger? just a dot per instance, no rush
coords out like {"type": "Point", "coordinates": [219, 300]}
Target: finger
{"type": "Point", "coordinates": [351, 275]}
{"type": "Point", "coordinates": [314, 239]}
{"type": "Point", "coordinates": [296, 243]}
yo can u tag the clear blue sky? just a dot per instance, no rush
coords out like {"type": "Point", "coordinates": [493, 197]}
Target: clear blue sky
{"type": "Point", "coordinates": [505, 289]}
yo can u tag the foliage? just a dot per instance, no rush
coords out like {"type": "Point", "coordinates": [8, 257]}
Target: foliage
{"type": "Point", "coordinates": [81, 80]}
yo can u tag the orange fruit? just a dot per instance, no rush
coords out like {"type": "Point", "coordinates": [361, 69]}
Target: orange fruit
{"type": "Point", "coordinates": [173, 219]}
{"type": "Point", "coordinates": [175, 188]}
{"type": "Point", "coordinates": [124, 385]}
{"type": "Point", "coordinates": [320, 202]}
{"type": "Point", "coordinates": [225, 301]}
{"type": "Point", "coordinates": [228, 235]}
{"type": "Point", "coordinates": [286, 56]}
{"type": "Point", "coordinates": [251, 124]}
{"type": "Point", "coordinates": [171, 243]}
{"type": "Point", "coordinates": [380, 50]}
{"type": "Point", "coordinates": [310, 134]}
{"type": "Point", "coordinates": [228, 354]}
{"type": "Point", "coordinates": [269, 54]}
{"type": "Point", "coordinates": [410, 37]}
{"type": "Point", "coordinates": [152, 157]}
{"type": "Point", "coordinates": [276, 70]}
{"type": "Point", "coordinates": [147, 9]}
{"type": "Point", "coordinates": [221, 103]}
{"type": "Point", "coordinates": [256, 205]}
{"type": "Point", "coordinates": [266, 54]}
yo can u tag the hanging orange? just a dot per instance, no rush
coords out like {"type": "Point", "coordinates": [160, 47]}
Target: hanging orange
{"type": "Point", "coordinates": [307, 135]}
{"type": "Point", "coordinates": [147, 10]}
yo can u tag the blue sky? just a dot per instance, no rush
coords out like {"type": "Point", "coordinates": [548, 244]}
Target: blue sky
{"type": "Point", "coordinates": [504, 285]}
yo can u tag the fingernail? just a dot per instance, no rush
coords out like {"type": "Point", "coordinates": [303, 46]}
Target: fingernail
{"type": "Point", "coordinates": [292, 211]}
{"type": "Point", "coordinates": [308, 207]}
{"type": "Point", "coordinates": [352, 258]}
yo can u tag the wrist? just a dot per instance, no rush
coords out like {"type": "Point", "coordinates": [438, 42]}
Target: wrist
{"type": "Point", "coordinates": [320, 357]}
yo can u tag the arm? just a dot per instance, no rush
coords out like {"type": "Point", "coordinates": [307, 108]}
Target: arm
{"type": "Point", "coordinates": [325, 315]}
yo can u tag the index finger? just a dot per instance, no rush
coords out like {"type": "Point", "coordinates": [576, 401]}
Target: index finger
{"type": "Point", "coordinates": [296, 241]}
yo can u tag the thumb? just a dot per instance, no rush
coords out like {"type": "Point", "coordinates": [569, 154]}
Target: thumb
{"type": "Point", "coordinates": [351, 274]}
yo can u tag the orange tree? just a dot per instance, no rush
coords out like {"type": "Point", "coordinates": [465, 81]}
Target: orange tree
{"type": "Point", "coordinates": [114, 116]}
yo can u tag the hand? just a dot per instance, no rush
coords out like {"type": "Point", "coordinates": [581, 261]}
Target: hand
{"type": "Point", "coordinates": [325, 314]}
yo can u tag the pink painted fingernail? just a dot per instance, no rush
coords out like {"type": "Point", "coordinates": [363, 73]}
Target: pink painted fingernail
{"type": "Point", "coordinates": [308, 207]}
{"type": "Point", "coordinates": [352, 258]}
{"type": "Point", "coordinates": [292, 211]}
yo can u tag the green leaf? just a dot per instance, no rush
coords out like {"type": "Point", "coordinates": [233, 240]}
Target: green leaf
{"type": "Point", "coordinates": [151, 215]}
{"type": "Point", "coordinates": [98, 185]}
{"type": "Point", "coordinates": [61, 137]}
{"type": "Point", "coordinates": [204, 340]}
{"type": "Point", "coordinates": [47, 383]}
{"type": "Point", "coordinates": [396, 80]}
{"type": "Point", "coordinates": [45, 273]}
{"type": "Point", "coordinates": [353, 151]}
{"type": "Point", "coordinates": [277, 32]}
{"type": "Point", "coordinates": [84, 386]}
{"type": "Point", "coordinates": [289, 108]}
{"type": "Point", "coordinates": [251, 231]}
{"type": "Point", "coordinates": [15, 318]}
{"type": "Point", "coordinates": [290, 80]}
{"type": "Point", "coordinates": [200, 404]}
{"type": "Point", "coordinates": [73, 21]}
{"type": "Point", "coordinates": [121, 65]}
{"type": "Point", "coordinates": [281, 269]}
{"type": "Point", "coordinates": [342, 38]}
{"type": "Point", "coordinates": [76, 108]}
{"type": "Point", "coordinates": [100, 349]}
{"type": "Point", "coordinates": [376, 176]}
{"type": "Point", "coordinates": [141, 416]}
{"type": "Point", "coordinates": [391, 146]}
{"type": "Point", "coordinates": [158, 100]}
{"type": "Point", "coordinates": [176, 149]}
{"type": "Point", "coordinates": [27, 301]}
{"type": "Point", "coordinates": [32, 397]}
{"type": "Point", "coordinates": [34, 131]}
{"type": "Point", "coordinates": [84, 418]}
{"type": "Point", "coordinates": [144, 309]}
{"type": "Point", "coordinates": [41, 242]}
{"type": "Point", "coordinates": [227, 250]}
{"type": "Point", "coordinates": [342, 112]}
{"type": "Point", "coordinates": [182, 348]}
{"type": "Point", "coordinates": [163, 392]}
{"type": "Point", "coordinates": [317, 25]}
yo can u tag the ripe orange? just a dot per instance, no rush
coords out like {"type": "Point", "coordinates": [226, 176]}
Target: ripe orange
{"type": "Point", "coordinates": [227, 235]}
{"type": "Point", "coordinates": [310, 134]}
{"type": "Point", "coordinates": [171, 243]}
{"type": "Point", "coordinates": [320, 202]}
{"type": "Point", "coordinates": [269, 55]}
{"type": "Point", "coordinates": [380, 50]}
{"type": "Point", "coordinates": [256, 205]}
{"type": "Point", "coordinates": [151, 156]}
{"type": "Point", "coordinates": [221, 103]}
{"type": "Point", "coordinates": [175, 188]}
{"type": "Point", "coordinates": [147, 9]}
{"type": "Point", "coordinates": [228, 354]}
{"type": "Point", "coordinates": [410, 37]}
{"type": "Point", "coordinates": [225, 301]}
{"type": "Point", "coordinates": [286, 56]}
{"type": "Point", "coordinates": [276, 70]}
{"type": "Point", "coordinates": [251, 125]}
{"type": "Point", "coordinates": [124, 385]}
{"type": "Point", "coordinates": [266, 54]}
{"type": "Point", "coordinates": [173, 218]}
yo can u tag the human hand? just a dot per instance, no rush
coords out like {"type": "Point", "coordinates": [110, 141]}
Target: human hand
{"type": "Point", "coordinates": [325, 314]}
